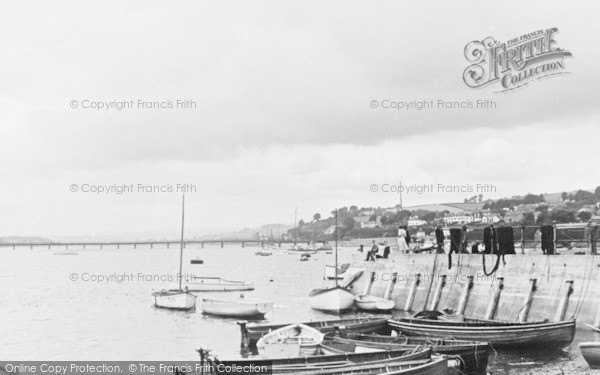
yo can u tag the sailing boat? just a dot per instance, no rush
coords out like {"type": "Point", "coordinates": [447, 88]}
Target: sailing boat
{"type": "Point", "coordinates": [176, 299]}
{"type": "Point", "coordinates": [333, 300]}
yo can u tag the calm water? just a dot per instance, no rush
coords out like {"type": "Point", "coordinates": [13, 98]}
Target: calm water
{"type": "Point", "coordinates": [45, 315]}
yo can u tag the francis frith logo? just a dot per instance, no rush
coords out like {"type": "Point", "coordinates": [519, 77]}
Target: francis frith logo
{"type": "Point", "coordinates": [515, 63]}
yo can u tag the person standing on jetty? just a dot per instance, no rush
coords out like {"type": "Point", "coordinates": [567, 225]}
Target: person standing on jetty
{"type": "Point", "coordinates": [402, 245]}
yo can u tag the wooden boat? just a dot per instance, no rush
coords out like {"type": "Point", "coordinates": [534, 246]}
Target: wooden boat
{"type": "Point", "coordinates": [322, 362]}
{"type": "Point", "coordinates": [213, 284]}
{"type": "Point", "coordinates": [252, 332]}
{"type": "Point", "coordinates": [65, 252]}
{"type": "Point", "coordinates": [238, 308]}
{"type": "Point", "coordinates": [332, 300]}
{"type": "Point", "coordinates": [174, 300]}
{"type": "Point", "coordinates": [474, 355]}
{"type": "Point", "coordinates": [591, 353]}
{"type": "Point", "coordinates": [497, 333]}
{"type": "Point", "coordinates": [438, 366]}
{"type": "Point", "coordinates": [372, 303]}
{"type": "Point", "coordinates": [294, 340]}
{"type": "Point", "coordinates": [197, 261]}
{"type": "Point", "coordinates": [177, 298]}
{"type": "Point", "coordinates": [263, 253]}
{"type": "Point", "coordinates": [341, 271]}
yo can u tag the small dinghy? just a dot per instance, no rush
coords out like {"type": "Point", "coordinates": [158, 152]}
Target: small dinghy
{"type": "Point", "coordinates": [65, 252]}
{"type": "Point", "coordinates": [212, 284]}
{"type": "Point", "coordinates": [591, 353]}
{"type": "Point", "coordinates": [372, 303]}
{"type": "Point", "coordinates": [197, 261]}
{"type": "Point", "coordinates": [178, 298]}
{"type": "Point", "coordinates": [174, 300]}
{"type": "Point", "coordinates": [238, 308]}
{"type": "Point", "coordinates": [295, 340]}
{"type": "Point", "coordinates": [263, 253]}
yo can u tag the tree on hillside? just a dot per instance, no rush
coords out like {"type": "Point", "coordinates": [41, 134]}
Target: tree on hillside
{"type": "Point", "coordinates": [561, 215]}
{"type": "Point", "coordinates": [301, 223]}
{"type": "Point", "coordinates": [533, 199]}
{"type": "Point", "coordinates": [317, 217]}
{"type": "Point", "coordinates": [584, 216]}
{"type": "Point", "coordinates": [528, 218]}
{"type": "Point", "coordinates": [564, 196]}
{"type": "Point", "coordinates": [597, 192]}
{"type": "Point", "coordinates": [373, 218]}
{"type": "Point", "coordinates": [480, 198]}
{"type": "Point", "coordinates": [584, 196]}
{"type": "Point", "coordinates": [349, 223]}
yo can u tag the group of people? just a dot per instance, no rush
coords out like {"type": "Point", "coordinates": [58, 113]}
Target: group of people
{"type": "Point", "coordinates": [403, 241]}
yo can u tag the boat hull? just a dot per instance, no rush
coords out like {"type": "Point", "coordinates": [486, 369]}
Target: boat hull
{"type": "Point", "coordinates": [371, 303]}
{"type": "Point", "coordinates": [212, 284]}
{"type": "Point", "coordinates": [557, 334]}
{"type": "Point", "coordinates": [474, 355]}
{"type": "Point", "coordinates": [236, 309]}
{"type": "Point", "coordinates": [338, 362]}
{"type": "Point", "coordinates": [252, 332]}
{"type": "Point", "coordinates": [304, 339]}
{"type": "Point", "coordinates": [333, 300]}
{"type": "Point", "coordinates": [591, 353]}
{"type": "Point", "coordinates": [174, 300]}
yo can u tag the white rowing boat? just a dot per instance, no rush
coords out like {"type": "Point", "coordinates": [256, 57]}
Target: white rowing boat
{"type": "Point", "coordinates": [295, 340]}
{"type": "Point", "coordinates": [174, 300]}
{"type": "Point", "coordinates": [372, 303]}
{"type": "Point", "coordinates": [212, 284]}
{"type": "Point", "coordinates": [332, 300]}
{"type": "Point", "coordinates": [178, 298]}
{"type": "Point", "coordinates": [238, 308]}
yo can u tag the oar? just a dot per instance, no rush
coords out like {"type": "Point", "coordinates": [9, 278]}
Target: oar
{"type": "Point", "coordinates": [592, 327]}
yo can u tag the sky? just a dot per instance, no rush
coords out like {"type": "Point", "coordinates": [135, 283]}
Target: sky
{"type": "Point", "coordinates": [284, 115]}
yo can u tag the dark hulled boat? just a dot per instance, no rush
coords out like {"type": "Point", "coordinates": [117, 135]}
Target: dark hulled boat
{"type": "Point", "coordinates": [474, 354]}
{"type": "Point", "coordinates": [252, 332]}
{"type": "Point", "coordinates": [317, 363]}
{"type": "Point", "coordinates": [497, 333]}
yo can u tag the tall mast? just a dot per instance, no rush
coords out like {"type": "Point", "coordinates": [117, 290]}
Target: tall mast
{"type": "Point", "coordinates": [400, 192]}
{"type": "Point", "coordinates": [181, 242]}
{"type": "Point", "coordinates": [337, 234]}
{"type": "Point", "coordinates": [296, 224]}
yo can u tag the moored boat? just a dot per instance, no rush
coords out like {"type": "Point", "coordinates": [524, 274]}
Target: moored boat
{"type": "Point", "coordinates": [474, 355]}
{"type": "Point", "coordinates": [330, 273]}
{"type": "Point", "coordinates": [294, 340]}
{"type": "Point", "coordinates": [177, 298]}
{"type": "Point", "coordinates": [197, 261]}
{"type": "Point", "coordinates": [174, 300]}
{"type": "Point", "coordinates": [497, 333]}
{"type": "Point", "coordinates": [213, 284]}
{"type": "Point", "coordinates": [252, 332]}
{"type": "Point", "coordinates": [591, 353]}
{"type": "Point", "coordinates": [65, 252]}
{"type": "Point", "coordinates": [372, 303]}
{"type": "Point", "coordinates": [238, 308]}
{"type": "Point", "coordinates": [332, 300]}
{"type": "Point", "coordinates": [263, 253]}
{"type": "Point", "coordinates": [322, 362]}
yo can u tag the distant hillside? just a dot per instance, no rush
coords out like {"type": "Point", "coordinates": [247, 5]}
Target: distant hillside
{"type": "Point", "coordinates": [267, 230]}
{"type": "Point", "coordinates": [24, 239]}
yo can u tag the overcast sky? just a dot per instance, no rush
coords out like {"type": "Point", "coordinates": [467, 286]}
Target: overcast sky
{"type": "Point", "coordinates": [283, 117]}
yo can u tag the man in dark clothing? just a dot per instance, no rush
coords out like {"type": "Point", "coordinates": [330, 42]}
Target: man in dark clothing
{"type": "Point", "coordinates": [371, 253]}
{"type": "Point", "coordinates": [439, 237]}
{"type": "Point", "coordinates": [475, 248]}
{"type": "Point", "coordinates": [547, 239]}
{"type": "Point", "coordinates": [386, 251]}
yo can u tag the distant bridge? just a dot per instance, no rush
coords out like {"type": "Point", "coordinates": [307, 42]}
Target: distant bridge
{"type": "Point", "coordinates": [151, 244]}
